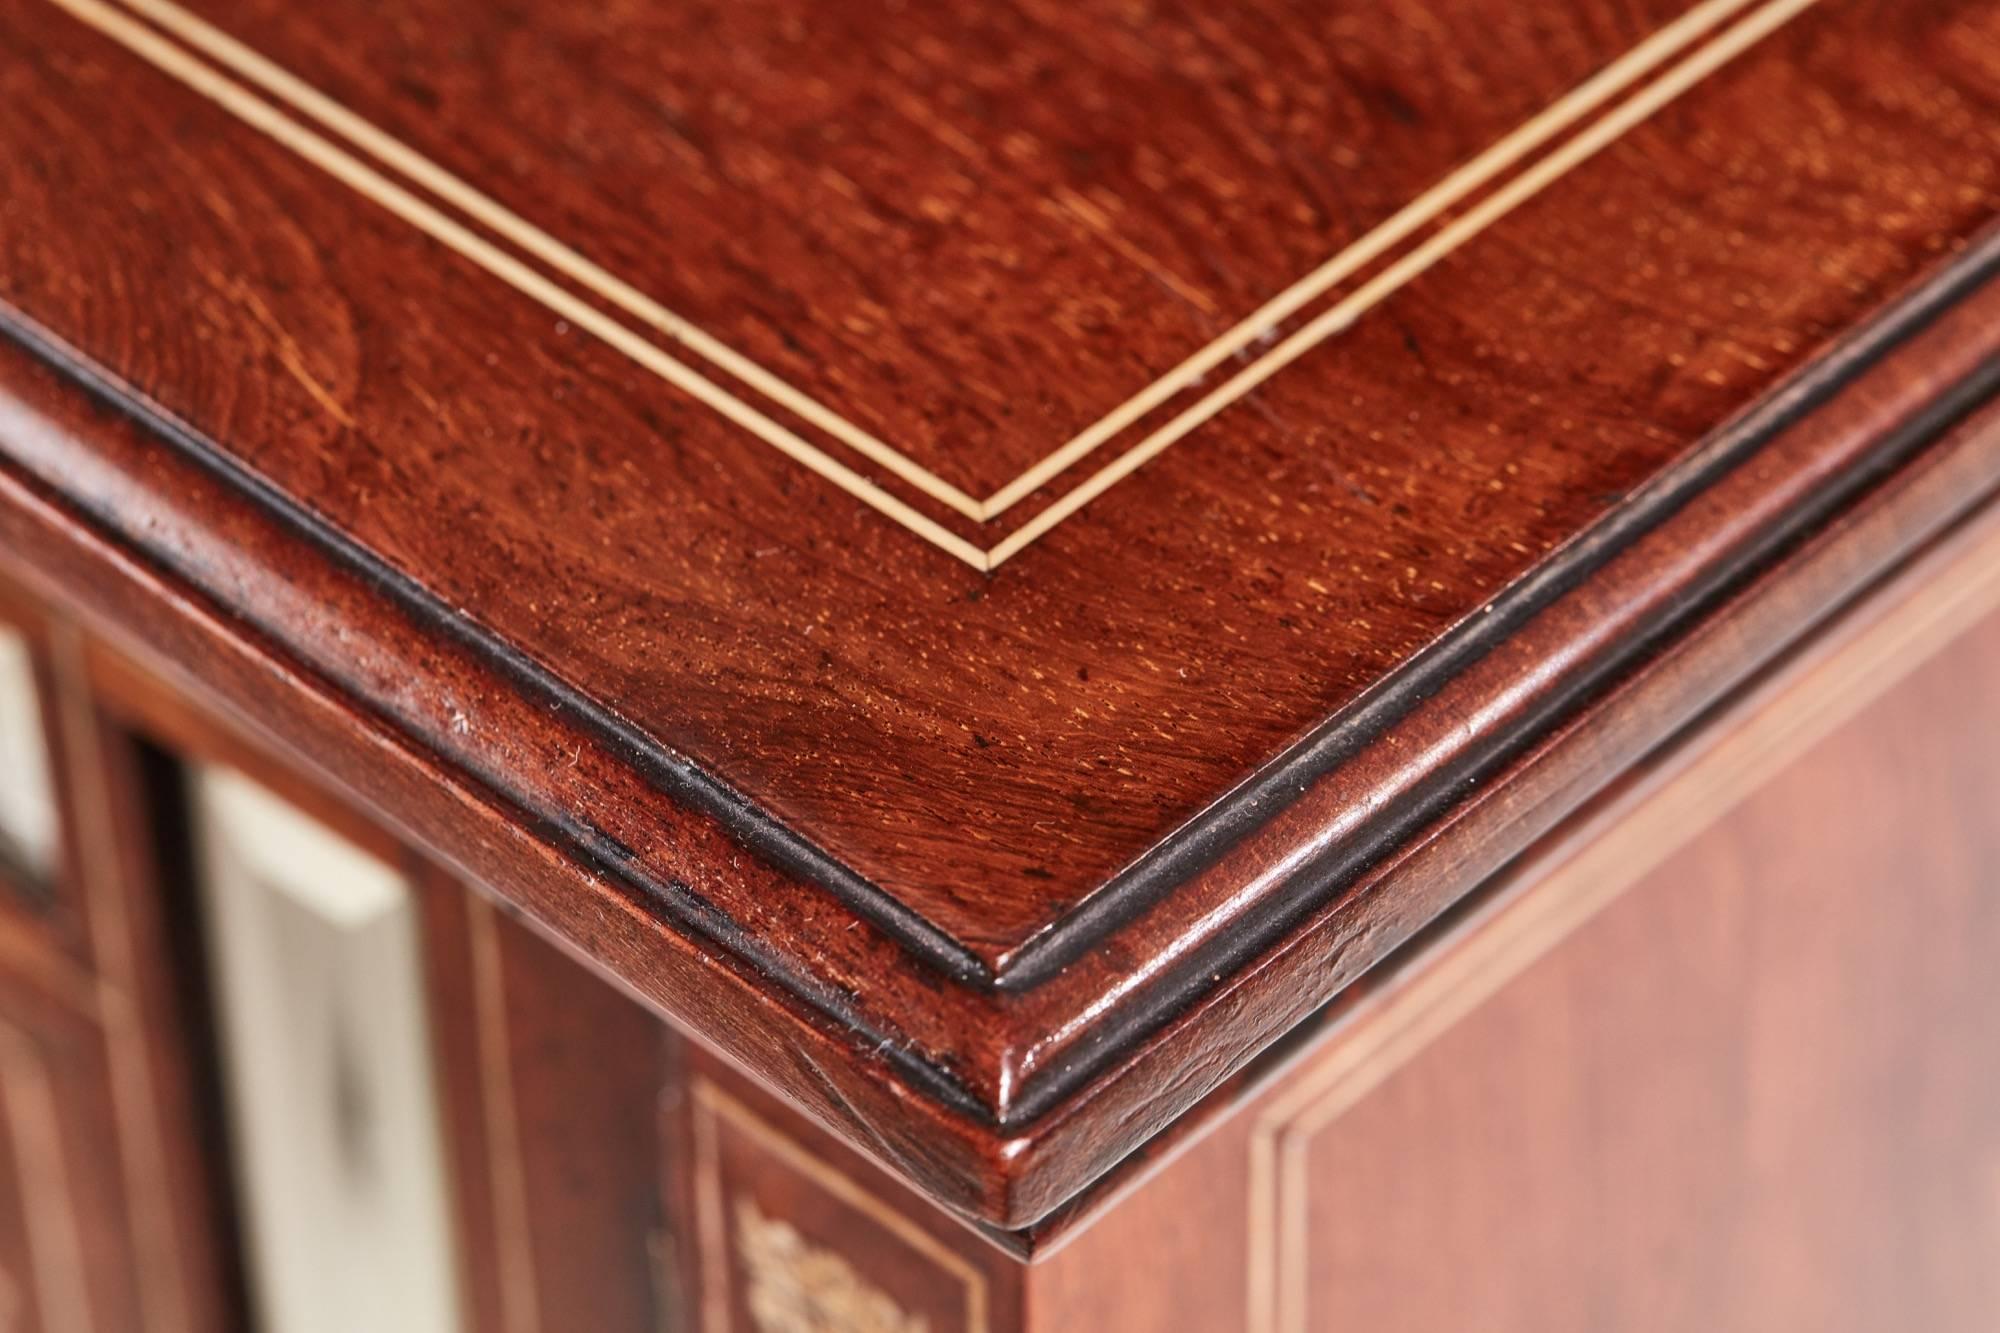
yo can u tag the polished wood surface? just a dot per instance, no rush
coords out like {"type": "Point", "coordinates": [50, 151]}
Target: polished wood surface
{"type": "Point", "coordinates": [1073, 711]}
{"type": "Point", "coordinates": [113, 1213]}
{"type": "Point", "coordinates": [608, 446]}
{"type": "Point", "coordinates": [552, 1081]}
{"type": "Point", "coordinates": [1715, 1055]}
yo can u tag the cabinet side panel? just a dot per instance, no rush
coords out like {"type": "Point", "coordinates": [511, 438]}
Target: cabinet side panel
{"type": "Point", "coordinates": [789, 1231]}
{"type": "Point", "coordinates": [1757, 1091]}
{"type": "Point", "coordinates": [551, 1081]}
{"type": "Point", "coordinates": [1723, 1061]}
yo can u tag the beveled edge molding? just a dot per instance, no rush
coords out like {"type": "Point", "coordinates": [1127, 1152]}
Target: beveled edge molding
{"type": "Point", "coordinates": [155, 571]}
{"type": "Point", "coordinates": [712, 1105]}
{"type": "Point", "coordinates": [1031, 1179]}
{"type": "Point", "coordinates": [662, 767]}
{"type": "Point", "coordinates": [1129, 895]}
{"type": "Point", "coordinates": [1541, 909]}
{"type": "Point", "coordinates": [115, 19]}
{"type": "Point", "coordinates": [1315, 884]}
{"type": "Point", "coordinates": [1377, 710]}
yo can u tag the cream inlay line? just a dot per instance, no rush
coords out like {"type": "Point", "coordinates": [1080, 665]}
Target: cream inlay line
{"type": "Point", "coordinates": [1426, 207]}
{"type": "Point", "coordinates": [287, 87]}
{"type": "Point", "coordinates": [1779, 725]}
{"type": "Point", "coordinates": [1553, 120]}
{"type": "Point", "coordinates": [365, 180]}
{"type": "Point", "coordinates": [1559, 116]}
{"type": "Point", "coordinates": [1599, 136]}
{"type": "Point", "coordinates": [506, 1168]}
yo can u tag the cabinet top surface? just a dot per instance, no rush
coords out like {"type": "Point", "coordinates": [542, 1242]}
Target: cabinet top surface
{"type": "Point", "coordinates": [964, 443]}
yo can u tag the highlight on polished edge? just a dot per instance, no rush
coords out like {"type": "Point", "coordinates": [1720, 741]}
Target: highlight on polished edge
{"type": "Point", "coordinates": [1488, 821]}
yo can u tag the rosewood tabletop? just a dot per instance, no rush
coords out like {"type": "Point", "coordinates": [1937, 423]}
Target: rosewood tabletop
{"type": "Point", "coordinates": [987, 557]}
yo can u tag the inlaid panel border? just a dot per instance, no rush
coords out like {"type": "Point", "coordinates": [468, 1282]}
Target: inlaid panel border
{"type": "Point", "coordinates": [712, 1106]}
{"type": "Point", "coordinates": [1781, 724]}
{"type": "Point", "coordinates": [1700, 28]}
{"type": "Point", "coordinates": [517, 1288]}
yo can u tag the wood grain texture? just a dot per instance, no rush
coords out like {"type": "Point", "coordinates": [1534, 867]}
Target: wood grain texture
{"type": "Point", "coordinates": [1043, 713]}
{"type": "Point", "coordinates": [788, 1230]}
{"type": "Point", "coordinates": [1674, 1069]}
{"type": "Point", "coordinates": [940, 853]}
{"type": "Point", "coordinates": [551, 1083]}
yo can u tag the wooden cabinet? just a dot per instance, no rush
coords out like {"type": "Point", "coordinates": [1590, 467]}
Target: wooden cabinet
{"type": "Point", "coordinates": [112, 1212]}
{"type": "Point", "coordinates": [69, 1259]}
{"type": "Point", "coordinates": [998, 666]}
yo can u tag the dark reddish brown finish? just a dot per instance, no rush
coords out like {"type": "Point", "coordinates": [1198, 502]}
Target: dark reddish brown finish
{"type": "Point", "coordinates": [552, 1081]}
{"type": "Point", "coordinates": [787, 1228]}
{"type": "Point", "coordinates": [843, 807]}
{"type": "Point", "coordinates": [112, 1166]}
{"type": "Point", "coordinates": [1742, 1095]}
{"type": "Point", "coordinates": [848, 680]}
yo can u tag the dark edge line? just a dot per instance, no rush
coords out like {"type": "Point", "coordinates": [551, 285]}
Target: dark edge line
{"type": "Point", "coordinates": [745, 821]}
{"type": "Point", "coordinates": [1204, 838]}
{"type": "Point", "coordinates": [1181, 854]}
{"type": "Point", "coordinates": [1336, 868]}
{"type": "Point", "coordinates": [595, 850]}
{"type": "Point", "coordinates": [1207, 836]}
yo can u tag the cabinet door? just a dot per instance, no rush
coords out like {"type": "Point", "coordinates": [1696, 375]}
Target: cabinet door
{"type": "Point", "coordinates": [67, 1258]}
{"type": "Point", "coordinates": [551, 1080]}
{"type": "Point", "coordinates": [107, 1214]}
